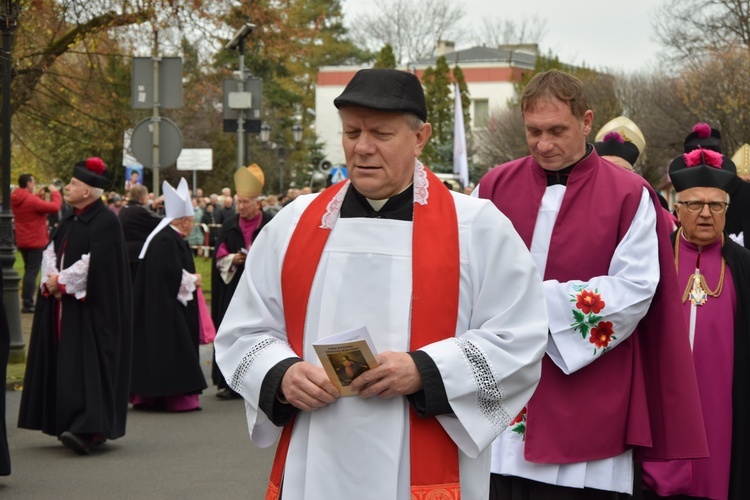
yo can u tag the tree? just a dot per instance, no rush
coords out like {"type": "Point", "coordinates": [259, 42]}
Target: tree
{"type": "Point", "coordinates": [411, 28]}
{"type": "Point", "coordinates": [695, 29]}
{"type": "Point", "coordinates": [385, 58]}
{"type": "Point", "coordinates": [286, 50]}
{"type": "Point", "coordinates": [71, 87]}
{"type": "Point", "coordinates": [495, 31]}
{"type": "Point", "coordinates": [504, 139]}
{"type": "Point", "coordinates": [723, 102]}
{"type": "Point", "coordinates": [438, 91]}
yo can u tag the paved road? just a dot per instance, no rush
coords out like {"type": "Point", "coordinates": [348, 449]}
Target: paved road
{"type": "Point", "coordinates": [196, 455]}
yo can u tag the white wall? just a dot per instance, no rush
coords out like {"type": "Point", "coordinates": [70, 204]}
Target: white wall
{"type": "Point", "coordinates": [328, 124]}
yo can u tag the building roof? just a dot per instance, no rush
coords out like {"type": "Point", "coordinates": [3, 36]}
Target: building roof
{"type": "Point", "coordinates": [483, 55]}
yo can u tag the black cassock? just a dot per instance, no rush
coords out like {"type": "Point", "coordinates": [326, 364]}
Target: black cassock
{"type": "Point", "coordinates": [738, 261]}
{"type": "Point", "coordinates": [137, 223]}
{"type": "Point", "coordinates": [166, 359]}
{"type": "Point", "coordinates": [79, 383]}
{"type": "Point", "coordinates": [221, 293]}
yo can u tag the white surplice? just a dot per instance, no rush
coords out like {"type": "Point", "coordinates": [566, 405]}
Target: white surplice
{"type": "Point", "coordinates": [357, 447]}
{"type": "Point", "coordinates": [628, 289]}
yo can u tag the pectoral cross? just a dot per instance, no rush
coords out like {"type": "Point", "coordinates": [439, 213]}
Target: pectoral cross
{"type": "Point", "coordinates": [698, 295]}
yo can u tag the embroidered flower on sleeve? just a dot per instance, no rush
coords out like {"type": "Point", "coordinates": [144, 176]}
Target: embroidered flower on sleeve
{"type": "Point", "coordinates": [588, 302]}
{"type": "Point", "coordinates": [602, 334]}
{"type": "Point", "coordinates": [586, 319]}
{"type": "Point", "coordinates": [518, 425]}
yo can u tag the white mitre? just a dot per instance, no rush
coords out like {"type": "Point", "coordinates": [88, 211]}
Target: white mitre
{"type": "Point", "coordinates": [177, 203]}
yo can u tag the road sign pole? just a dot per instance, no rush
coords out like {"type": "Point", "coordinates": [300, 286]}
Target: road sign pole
{"type": "Point", "coordinates": [155, 119]}
{"type": "Point", "coordinates": [241, 117]}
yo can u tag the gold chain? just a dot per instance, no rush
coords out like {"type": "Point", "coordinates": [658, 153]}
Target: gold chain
{"type": "Point", "coordinates": [697, 285]}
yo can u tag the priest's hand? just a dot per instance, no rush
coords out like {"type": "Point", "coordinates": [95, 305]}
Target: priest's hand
{"type": "Point", "coordinates": [198, 279]}
{"type": "Point", "coordinates": [52, 287]}
{"type": "Point", "coordinates": [238, 259]}
{"type": "Point", "coordinates": [395, 375]}
{"type": "Point", "coordinates": [306, 386]}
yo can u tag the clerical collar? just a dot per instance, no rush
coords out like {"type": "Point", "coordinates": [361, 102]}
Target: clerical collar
{"type": "Point", "coordinates": [398, 207]}
{"type": "Point", "coordinates": [555, 177]}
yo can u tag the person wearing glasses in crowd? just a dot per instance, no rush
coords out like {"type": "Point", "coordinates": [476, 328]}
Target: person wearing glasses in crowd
{"type": "Point", "coordinates": [714, 278]}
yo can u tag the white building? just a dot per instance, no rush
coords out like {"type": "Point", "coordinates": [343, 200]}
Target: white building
{"type": "Point", "coordinates": [489, 73]}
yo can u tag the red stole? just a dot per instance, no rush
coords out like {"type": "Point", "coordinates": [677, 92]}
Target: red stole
{"type": "Point", "coordinates": [644, 392]}
{"type": "Point", "coordinates": [435, 291]}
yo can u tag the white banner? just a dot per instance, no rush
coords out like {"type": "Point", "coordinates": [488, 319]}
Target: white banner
{"type": "Point", "coordinates": [460, 160]}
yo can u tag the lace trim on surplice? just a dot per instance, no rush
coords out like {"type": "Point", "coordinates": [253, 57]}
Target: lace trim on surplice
{"type": "Point", "coordinates": [421, 193]}
{"type": "Point", "coordinates": [187, 287]}
{"type": "Point", "coordinates": [490, 393]}
{"type": "Point", "coordinates": [49, 264]}
{"type": "Point", "coordinates": [75, 277]}
{"type": "Point", "coordinates": [250, 356]}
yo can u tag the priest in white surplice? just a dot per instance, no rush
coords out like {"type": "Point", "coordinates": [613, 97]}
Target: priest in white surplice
{"type": "Point", "coordinates": [446, 288]}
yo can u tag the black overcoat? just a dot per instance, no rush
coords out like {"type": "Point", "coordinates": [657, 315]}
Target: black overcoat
{"type": "Point", "coordinates": [166, 359]}
{"type": "Point", "coordinates": [77, 376]}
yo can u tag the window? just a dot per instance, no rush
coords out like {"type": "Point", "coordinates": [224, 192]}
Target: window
{"type": "Point", "coordinates": [481, 113]}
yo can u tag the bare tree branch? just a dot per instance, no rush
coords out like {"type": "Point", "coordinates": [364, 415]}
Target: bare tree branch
{"type": "Point", "coordinates": [411, 28]}
{"type": "Point", "coordinates": [32, 69]}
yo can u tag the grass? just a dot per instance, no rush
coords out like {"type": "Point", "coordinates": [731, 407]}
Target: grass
{"type": "Point", "coordinates": [203, 267]}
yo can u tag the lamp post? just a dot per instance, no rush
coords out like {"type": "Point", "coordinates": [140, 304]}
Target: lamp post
{"type": "Point", "coordinates": [243, 98]}
{"type": "Point", "coordinates": [265, 137]}
{"type": "Point", "coordinates": [8, 19]}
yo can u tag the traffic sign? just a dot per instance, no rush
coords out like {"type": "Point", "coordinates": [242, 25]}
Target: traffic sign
{"type": "Point", "coordinates": [170, 142]}
{"type": "Point", "coordinates": [338, 174]}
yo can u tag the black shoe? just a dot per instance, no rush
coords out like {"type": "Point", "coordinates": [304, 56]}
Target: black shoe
{"type": "Point", "coordinates": [227, 394]}
{"type": "Point", "coordinates": [75, 443]}
{"type": "Point", "coordinates": [28, 310]}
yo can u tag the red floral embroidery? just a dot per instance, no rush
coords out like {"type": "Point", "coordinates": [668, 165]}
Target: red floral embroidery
{"type": "Point", "coordinates": [601, 334]}
{"type": "Point", "coordinates": [586, 319]}
{"type": "Point", "coordinates": [588, 302]}
{"type": "Point", "coordinates": [518, 425]}
{"type": "Point", "coordinates": [520, 417]}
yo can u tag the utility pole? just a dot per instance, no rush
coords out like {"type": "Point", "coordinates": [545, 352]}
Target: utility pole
{"type": "Point", "coordinates": [240, 99]}
{"type": "Point", "coordinates": [155, 118]}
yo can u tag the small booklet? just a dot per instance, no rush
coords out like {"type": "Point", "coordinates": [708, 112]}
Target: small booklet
{"type": "Point", "coordinates": [345, 356]}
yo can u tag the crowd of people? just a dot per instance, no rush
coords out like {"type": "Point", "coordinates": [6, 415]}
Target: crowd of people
{"type": "Point", "coordinates": [559, 332]}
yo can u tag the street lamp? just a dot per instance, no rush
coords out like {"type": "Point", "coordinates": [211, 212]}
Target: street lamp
{"type": "Point", "coordinates": [240, 100]}
{"type": "Point", "coordinates": [8, 19]}
{"type": "Point", "coordinates": [265, 137]}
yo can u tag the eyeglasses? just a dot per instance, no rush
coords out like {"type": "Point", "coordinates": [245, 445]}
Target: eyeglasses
{"type": "Point", "coordinates": [694, 207]}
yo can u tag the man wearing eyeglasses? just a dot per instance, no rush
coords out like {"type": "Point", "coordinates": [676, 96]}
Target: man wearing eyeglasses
{"type": "Point", "coordinates": [714, 276]}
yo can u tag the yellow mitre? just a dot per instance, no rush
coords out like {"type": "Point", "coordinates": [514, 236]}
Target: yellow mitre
{"type": "Point", "coordinates": [249, 181]}
{"type": "Point", "coordinates": [626, 128]}
{"type": "Point", "coordinates": [742, 160]}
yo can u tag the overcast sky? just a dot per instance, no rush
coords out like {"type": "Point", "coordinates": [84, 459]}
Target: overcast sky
{"type": "Point", "coordinates": [603, 34]}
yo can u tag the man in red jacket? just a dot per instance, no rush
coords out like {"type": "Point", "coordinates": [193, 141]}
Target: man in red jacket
{"type": "Point", "coordinates": [30, 212]}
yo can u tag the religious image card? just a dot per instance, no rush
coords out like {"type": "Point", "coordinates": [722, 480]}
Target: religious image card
{"type": "Point", "coordinates": [345, 356]}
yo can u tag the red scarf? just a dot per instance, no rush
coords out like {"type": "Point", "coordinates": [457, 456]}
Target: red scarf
{"type": "Point", "coordinates": [435, 283]}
